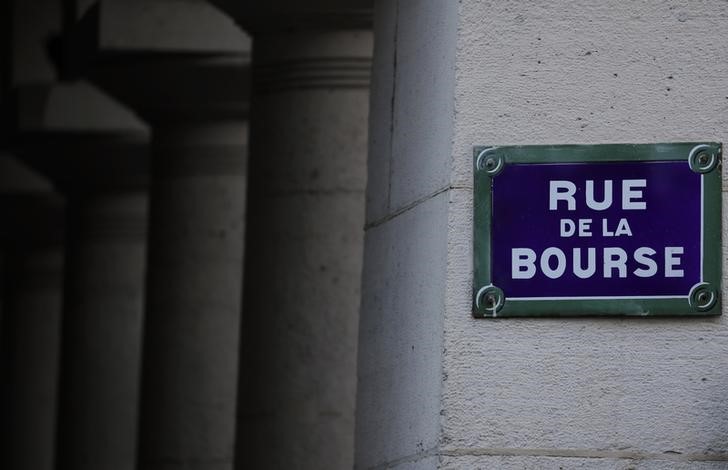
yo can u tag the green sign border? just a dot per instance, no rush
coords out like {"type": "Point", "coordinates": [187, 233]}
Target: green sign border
{"type": "Point", "coordinates": [704, 299]}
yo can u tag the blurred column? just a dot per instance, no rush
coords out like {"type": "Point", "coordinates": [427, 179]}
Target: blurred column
{"type": "Point", "coordinates": [5, 431]}
{"type": "Point", "coordinates": [34, 321]}
{"type": "Point", "coordinates": [102, 330]}
{"type": "Point", "coordinates": [32, 327]}
{"type": "Point", "coordinates": [57, 127]}
{"type": "Point", "coordinates": [304, 242]}
{"type": "Point", "coordinates": [97, 154]}
{"type": "Point", "coordinates": [193, 296]}
{"type": "Point", "coordinates": [184, 68]}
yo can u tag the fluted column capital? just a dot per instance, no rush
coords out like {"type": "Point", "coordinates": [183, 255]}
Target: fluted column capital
{"type": "Point", "coordinates": [300, 60]}
{"type": "Point", "coordinates": [32, 219]}
{"type": "Point", "coordinates": [164, 89]}
{"type": "Point", "coordinates": [111, 215]}
{"type": "Point", "coordinates": [88, 162]}
{"type": "Point", "coordinates": [200, 148]}
{"type": "Point", "coordinates": [79, 137]}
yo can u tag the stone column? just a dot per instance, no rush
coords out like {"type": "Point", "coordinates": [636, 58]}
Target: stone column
{"type": "Point", "coordinates": [404, 280]}
{"type": "Point", "coordinates": [32, 329]}
{"type": "Point", "coordinates": [5, 430]}
{"type": "Point", "coordinates": [31, 264]}
{"type": "Point", "coordinates": [104, 299]}
{"type": "Point", "coordinates": [304, 248]}
{"type": "Point", "coordinates": [192, 89]}
{"type": "Point", "coordinates": [193, 295]}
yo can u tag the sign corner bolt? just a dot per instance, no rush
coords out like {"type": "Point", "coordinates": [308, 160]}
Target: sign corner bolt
{"type": "Point", "coordinates": [489, 300]}
{"type": "Point", "coordinates": [488, 161]}
{"type": "Point", "coordinates": [702, 296]}
{"type": "Point", "coordinates": [704, 158]}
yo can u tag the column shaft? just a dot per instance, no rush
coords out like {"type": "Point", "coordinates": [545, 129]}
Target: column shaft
{"type": "Point", "coordinates": [193, 296]}
{"type": "Point", "coordinates": [407, 256]}
{"type": "Point", "coordinates": [33, 324]}
{"type": "Point", "coordinates": [102, 331]}
{"type": "Point", "coordinates": [304, 246]}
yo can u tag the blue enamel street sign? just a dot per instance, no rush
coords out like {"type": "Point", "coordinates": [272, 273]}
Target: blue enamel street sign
{"type": "Point", "coordinates": [597, 230]}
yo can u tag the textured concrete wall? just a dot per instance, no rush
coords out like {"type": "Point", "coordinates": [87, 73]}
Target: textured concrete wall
{"type": "Point", "coordinates": [550, 393]}
{"type": "Point", "coordinates": [583, 72]}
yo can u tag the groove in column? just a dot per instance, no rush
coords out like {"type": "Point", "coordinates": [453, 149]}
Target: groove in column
{"type": "Point", "coordinates": [330, 72]}
{"type": "Point", "coordinates": [199, 160]}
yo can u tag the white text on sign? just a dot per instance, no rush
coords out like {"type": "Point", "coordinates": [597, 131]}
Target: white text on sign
{"type": "Point", "coordinates": [553, 262]}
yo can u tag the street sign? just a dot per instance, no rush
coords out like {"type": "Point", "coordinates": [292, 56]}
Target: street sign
{"type": "Point", "coordinates": [619, 229]}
